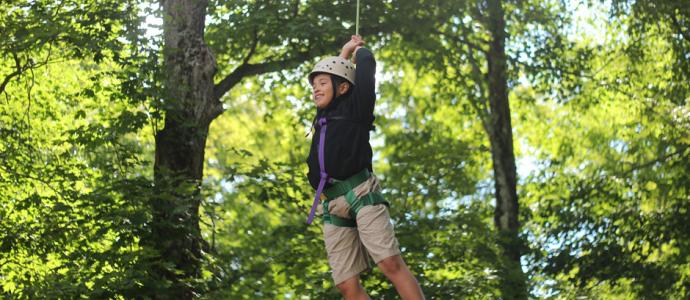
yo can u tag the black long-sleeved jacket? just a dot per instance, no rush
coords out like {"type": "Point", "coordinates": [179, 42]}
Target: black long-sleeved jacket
{"type": "Point", "coordinates": [347, 149]}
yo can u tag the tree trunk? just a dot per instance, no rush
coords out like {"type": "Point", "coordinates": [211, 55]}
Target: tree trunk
{"type": "Point", "coordinates": [190, 106]}
{"type": "Point", "coordinates": [501, 138]}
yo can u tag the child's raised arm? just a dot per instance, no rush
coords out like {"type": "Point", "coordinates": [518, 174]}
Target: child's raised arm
{"type": "Point", "coordinates": [365, 82]}
{"type": "Point", "coordinates": [351, 46]}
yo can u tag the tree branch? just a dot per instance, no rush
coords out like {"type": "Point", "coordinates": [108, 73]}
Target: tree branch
{"type": "Point", "coordinates": [245, 70]}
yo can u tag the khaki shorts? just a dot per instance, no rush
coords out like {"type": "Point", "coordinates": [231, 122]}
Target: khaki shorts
{"type": "Point", "coordinates": [349, 248]}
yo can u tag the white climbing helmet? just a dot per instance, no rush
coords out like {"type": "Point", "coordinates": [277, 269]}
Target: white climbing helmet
{"type": "Point", "coordinates": [334, 65]}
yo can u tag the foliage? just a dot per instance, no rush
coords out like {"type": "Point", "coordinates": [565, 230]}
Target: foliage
{"type": "Point", "coordinates": [607, 204]}
{"type": "Point", "coordinates": [601, 125]}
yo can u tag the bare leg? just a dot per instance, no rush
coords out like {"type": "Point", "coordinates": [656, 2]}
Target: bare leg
{"type": "Point", "coordinates": [352, 289]}
{"type": "Point", "coordinates": [396, 270]}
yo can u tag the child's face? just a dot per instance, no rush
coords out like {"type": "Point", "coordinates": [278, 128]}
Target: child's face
{"type": "Point", "coordinates": [322, 90]}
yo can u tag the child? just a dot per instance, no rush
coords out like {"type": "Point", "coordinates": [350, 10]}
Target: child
{"type": "Point", "coordinates": [356, 220]}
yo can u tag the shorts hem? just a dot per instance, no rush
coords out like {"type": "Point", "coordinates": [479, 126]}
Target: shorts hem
{"type": "Point", "coordinates": [348, 275]}
{"type": "Point", "coordinates": [387, 255]}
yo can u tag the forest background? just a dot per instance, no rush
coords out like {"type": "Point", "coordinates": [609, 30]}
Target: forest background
{"type": "Point", "coordinates": [529, 149]}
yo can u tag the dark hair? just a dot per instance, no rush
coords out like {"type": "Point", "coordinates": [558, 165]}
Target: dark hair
{"type": "Point", "coordinates": [337, 80]}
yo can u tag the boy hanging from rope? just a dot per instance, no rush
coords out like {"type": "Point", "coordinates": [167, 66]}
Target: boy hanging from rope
{"type": "Point", "coordinates": [355, 215]}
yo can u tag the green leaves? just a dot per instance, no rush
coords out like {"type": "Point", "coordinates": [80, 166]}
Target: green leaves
{"type": "Point", "coordinates": [601, 128]}
{"type": "Point", "coordinates": [613, 184]}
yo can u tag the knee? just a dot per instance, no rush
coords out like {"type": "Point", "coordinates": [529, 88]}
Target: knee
{"type": "Point", "coordinates": [350, 288]}
{"type": "Point", "coordinates": [345, 288]}
{"type": "Point", "coordinates": [391, 265]}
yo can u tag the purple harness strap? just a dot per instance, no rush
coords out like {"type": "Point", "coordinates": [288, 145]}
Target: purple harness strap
{"type": "Point", "coordinates": [322, 168]}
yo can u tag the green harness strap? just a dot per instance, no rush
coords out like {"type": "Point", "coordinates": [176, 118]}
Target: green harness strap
{"type": "Point", "coordinates": [346, 187]}
{"type": "Point", "coordinates": [335, 220]}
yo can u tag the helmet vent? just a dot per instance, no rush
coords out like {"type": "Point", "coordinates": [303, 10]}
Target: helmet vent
{"type": "Point", "coordinates": [330, 65]}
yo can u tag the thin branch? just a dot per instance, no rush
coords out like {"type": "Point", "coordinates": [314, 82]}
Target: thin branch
{"type": "Point", "coordinates": [462, 41]}
{"type": "Point", "coordinates": [612, 86]}
{"type": "Point", "coordinates": [252, 49]}
{"type": "Point", "coordinates": [40, 179]}
{"type": "Point", "coordinates": [599, 180]}
{"type": "Point", "coordinates": [591, 76]}
{"type": "Point", "coordinates": [8, 78]}
{"type": "Point", "coordinates": [19, 70]}
{"type": "Point", "coordinates": [17, 62]}
{"type": "Point", "coordinates": [480, 103]}
{"type": "Point", "coordinates": [28, 95]}
{"type": "Point", "coordinates": [652, 162]}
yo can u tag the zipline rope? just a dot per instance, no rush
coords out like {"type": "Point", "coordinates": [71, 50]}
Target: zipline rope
{"type": "Point", "coordinates": [357, 20]}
